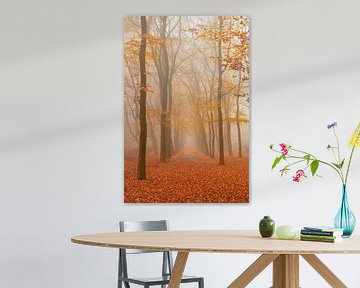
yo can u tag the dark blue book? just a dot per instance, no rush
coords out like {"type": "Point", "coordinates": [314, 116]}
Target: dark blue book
{"type": "Point", "coordinates": [322, 231]}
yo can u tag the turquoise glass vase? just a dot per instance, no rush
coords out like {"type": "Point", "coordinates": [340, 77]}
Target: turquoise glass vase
{"type": "Point", "coordinates": [345, 219]}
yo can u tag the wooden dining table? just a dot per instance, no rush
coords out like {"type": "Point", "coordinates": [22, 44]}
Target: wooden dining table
{"type": "Point", "coordinates": [283, 254]}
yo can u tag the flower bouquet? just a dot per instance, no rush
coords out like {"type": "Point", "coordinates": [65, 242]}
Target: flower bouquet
{"type": "Point", "coordinates": [292, 157]}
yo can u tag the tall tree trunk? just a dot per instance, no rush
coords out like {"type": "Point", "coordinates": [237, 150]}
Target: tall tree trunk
{"type": "Point", "coordinates": [164, 79]}
{"type": "Point", "coordinates": [172, 68]}
{"type": "Point", "coordinates": [228, 128]}
{"type": "Point", "coordinates": [219, 96]}
{"type": "Point", "coordinates": [198, 115]}
{"type": "Point", "coordinates": [176, 129]}
{"type": "Point", "coordinates": [169, 142]}
{"type": "Point", "coordinates": [163, 123]}
{"type": "Point", "coordinates": [152, 136]}
{"type": "Point", "coordinates": [176, 139]}
{"type": "Point", "coordinates": [216, 125]}
{"type": "Point", "coordinates": [208, 116]}
{"type": "Point", "coordinates": [238, 125]}
{"type": "Point", "coordinates": [238, 122]}
{"type": "Point", "coordinates": [209, 138]}
{"type": "Point", "coordinates": [202, 134]}
{"type": "Point", "coordinates": [141, 169]}
{"type": "Point", "coordinates": [131, 106]}
{"type": "Point", "coordinates": [212, 151]}
{"type": "Point", "coordinates": [132, 131]}
{"type": "Point", "coordinates": [228, 136]}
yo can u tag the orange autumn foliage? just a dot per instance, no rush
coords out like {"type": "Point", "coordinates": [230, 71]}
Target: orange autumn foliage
{"type": "Point", "coordinates": [195, 179]}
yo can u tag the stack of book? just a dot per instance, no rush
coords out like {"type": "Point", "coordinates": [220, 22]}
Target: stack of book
{"type": "Point", "coordinates": [321, 234]}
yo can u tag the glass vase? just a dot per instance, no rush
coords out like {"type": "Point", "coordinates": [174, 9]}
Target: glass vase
{"type": "Point", "coordinates": [345, 219]}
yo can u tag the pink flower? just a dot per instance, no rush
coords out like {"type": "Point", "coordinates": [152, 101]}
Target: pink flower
{"type": "Point", "coordinates": [284, 148]}
{"type": "Point", "coordinates": [300, 174]}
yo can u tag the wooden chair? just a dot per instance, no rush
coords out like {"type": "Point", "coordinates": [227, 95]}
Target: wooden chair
{"type": "Point", "coordinates": [167, 262]}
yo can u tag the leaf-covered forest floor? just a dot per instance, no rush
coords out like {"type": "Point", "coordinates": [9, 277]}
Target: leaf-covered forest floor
{"type": "Point", "coordinates": [189, 177]}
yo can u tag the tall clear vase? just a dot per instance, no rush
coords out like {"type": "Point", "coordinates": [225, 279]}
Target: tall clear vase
{"type": "Point", "coordinates": [345, 219]}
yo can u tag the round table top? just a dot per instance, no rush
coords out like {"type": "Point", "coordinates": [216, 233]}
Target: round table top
{"type": "Point", "coordinates": [220, 241]}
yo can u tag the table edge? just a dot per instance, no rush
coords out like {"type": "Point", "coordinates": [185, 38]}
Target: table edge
{"type": "Point", "coordinates": [203, 250]}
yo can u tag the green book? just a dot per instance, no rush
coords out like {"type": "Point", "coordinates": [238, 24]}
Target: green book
{"type": "Point", "coordinates": [319, 236]}
{"type": "Point", "coordinates": [325, 240]}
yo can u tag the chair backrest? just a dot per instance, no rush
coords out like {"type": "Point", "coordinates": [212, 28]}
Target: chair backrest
{"type": "Point", "coordinates": [133, 226]}
{"type": "Point", "coordinates": [138, 226]}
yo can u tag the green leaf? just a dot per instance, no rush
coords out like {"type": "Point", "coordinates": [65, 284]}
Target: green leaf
{"type": "Point", "coordinates": [342, 163]}
{"type": "Point", "coordinates": [284, 171]}
{"type": "Point", "coordinates": [307, 157]}
{"type": "Point", "coordinates": [276, 162]}
{"type": "Point", "coordinates": [314, 167]}
{"type": "Point", "coordinates": [339, 166]}
{"type": "Point", "coordinates": [271, 146]}
{"type": "Point", "coordinates": [336, 165]}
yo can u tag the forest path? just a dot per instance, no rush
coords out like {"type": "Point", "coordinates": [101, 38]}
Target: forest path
{"type": "Point", "coordinates": [188, 177]}
{"type": "Point", "coordinates": [190, 154]}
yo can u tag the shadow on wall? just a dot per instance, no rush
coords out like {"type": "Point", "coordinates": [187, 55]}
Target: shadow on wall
{"type": "Point", "coordinates": [309, 75]}
{"type": "Point", "coordinates": [113, 121]}
{"type": "Point", "coordinates": [55, 134]}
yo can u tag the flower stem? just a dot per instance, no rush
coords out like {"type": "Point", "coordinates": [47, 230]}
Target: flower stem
{"type": "Point", "coordinates": [312, 159]}
{"type": "Point", "coordinates": [339, 156]}
{"type": "Point", "coordinates": [338, 171]}
{"type": "Point", "coordinates": [296, 162]}
{"type": "Point", "coordinates": [333, 152]}
{"type": "Point", "coordinates": [338, 146]}
{"type": "Point", "coordinates": [304, 152]}
{"type": "Point", "coordinates": [348, 168]}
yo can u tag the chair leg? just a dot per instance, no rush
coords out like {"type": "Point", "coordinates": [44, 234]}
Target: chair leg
{"type": "Point", "coordinates": [120, 273]}
{"type": "Point", "coordinates": [201, 283]}
{"type": "Point", "coordinates": [126, 284]}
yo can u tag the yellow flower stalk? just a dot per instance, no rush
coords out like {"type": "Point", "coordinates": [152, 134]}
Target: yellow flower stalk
{"type": "Point", "coordinates": [354, 142]}
{"type": "Point", "coordinates": [355, 138]}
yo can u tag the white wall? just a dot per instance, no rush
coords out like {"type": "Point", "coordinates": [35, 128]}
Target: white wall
{"type": "Point", "coordinates": [61, 133]}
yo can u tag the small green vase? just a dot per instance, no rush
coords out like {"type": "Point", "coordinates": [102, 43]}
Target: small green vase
{"type": "Point", "coordinates": [267, 227]}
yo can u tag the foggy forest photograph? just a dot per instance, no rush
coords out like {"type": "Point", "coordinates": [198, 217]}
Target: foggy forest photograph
{"type": "Point", "coordinates": [186, 109]}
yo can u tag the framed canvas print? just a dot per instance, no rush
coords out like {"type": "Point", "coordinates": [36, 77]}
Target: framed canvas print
{"type": "Point", "coordinates": [186, 109]}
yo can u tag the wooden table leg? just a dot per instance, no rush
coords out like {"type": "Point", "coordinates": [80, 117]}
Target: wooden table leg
{"type": "Point", "coordinates": [178, 269]}
{"type": "Point", "coordinates": [293, 264]}
{"type": "Point", "coordinates": [286, 271]}
{"type": "Point", "coordinates": [324, 271]}
{"type": "Point", "coordinates": [253, 270]}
